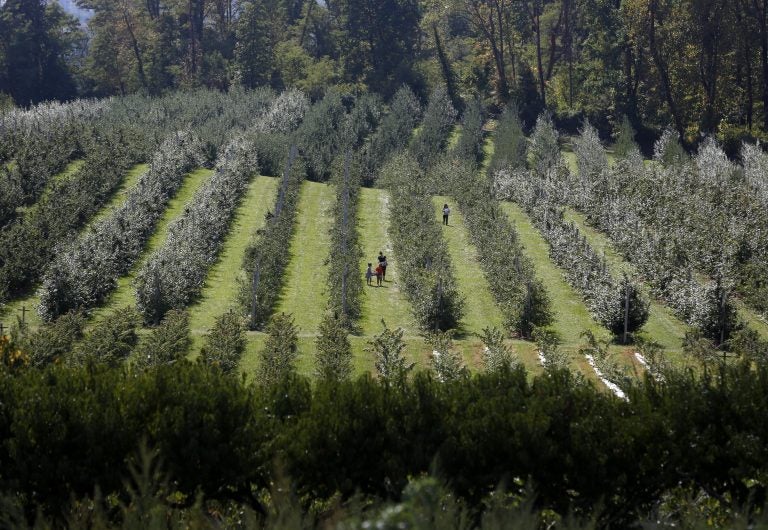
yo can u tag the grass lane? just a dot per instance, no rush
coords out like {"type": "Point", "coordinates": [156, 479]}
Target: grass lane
{"type": "Point", "coordinates": [121, 194]}
{"type": "Point", "coordinates": [303, 293]}
{"type": "Point", "coordinates": [571, 316]}
{"type": "Point", "coordinates": [752, 318]}
{"type": "Point", "coordinates": [386, 302]}
{"type": "Point", "coordinates": [125, 294]}
{"type": "Point", "coordinates": [480, 309]}
{"type": "Point", "coordinates": [222, 284]}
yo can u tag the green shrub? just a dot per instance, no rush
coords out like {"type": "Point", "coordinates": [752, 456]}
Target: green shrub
{"type": "Point", "coordinates": [333, 360]}
{"type": "Point", "coordinates": [510, 143]}
{"type": "Point", "coordinates": [277, 359]}
{"type": "Point", "coordinates": [225, 343]}
{"type": "Point", "coordinates": [111, 340]}
{"type": "Point", "coordinates": [168, 343]}
{"type": "Point", "coordinates": [387, 349]}
{"type": "Point", "coordinates": [52, 342]}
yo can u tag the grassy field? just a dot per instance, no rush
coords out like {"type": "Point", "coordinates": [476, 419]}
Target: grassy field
{"type": "Point", "coordinates": [125, 294]}
{"type": "Point", "coordinates": [32, 301]}
{"type": "Point", "coordinates": [303, 293]}
{"type": "Point", "coordinates": [753, 319]}
{"type": "Point", "coordinates": [304, 297]}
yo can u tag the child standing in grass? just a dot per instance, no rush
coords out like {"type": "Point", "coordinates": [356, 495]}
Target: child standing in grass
{"type": "Point", "coordinates": [379, 275]}
{"type": "Point", "coordinates": [368, 275]}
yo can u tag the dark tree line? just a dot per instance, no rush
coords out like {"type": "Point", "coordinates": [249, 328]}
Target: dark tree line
{"type": "Point", "coordinates": [700, 66]}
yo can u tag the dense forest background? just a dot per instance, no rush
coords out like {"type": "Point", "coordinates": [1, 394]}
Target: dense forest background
{"type": "Point", "coordinates": [700, 66]}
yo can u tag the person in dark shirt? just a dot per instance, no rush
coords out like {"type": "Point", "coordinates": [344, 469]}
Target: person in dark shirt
{"type": "Point", "coordinates": [446, 213]}
{"type": "Point", "coordinates": [383, 263]}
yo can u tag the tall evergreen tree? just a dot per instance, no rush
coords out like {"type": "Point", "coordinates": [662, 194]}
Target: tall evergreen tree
{"type": "Point", "coordinates": [36, 39]}
{"type": "Point", "coordinates": [254, 52]}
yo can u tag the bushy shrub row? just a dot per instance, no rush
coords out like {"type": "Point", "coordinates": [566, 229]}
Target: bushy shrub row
{"type": "Point", "coordinates": [393, 133]}
{"type": "Point", "coordinates": [432, 137]}
{"type": "Point", "coordinates": [605, 295]}
{"type": "Point", "coordinates": [285, 113]}
{"type": "Point", "coordinates": [268, 256]}
{"type": "Point", "coordinates": [424, 264]}
{"type": "Point", "coordinates": [320, 137]}
{"type": "Point", "coordinates": [537, 191]}
{"type": "Point", "coordinates": [584, 453]}
{"type": "Point", "coordinates": [469, 147]}
{"type": "Point", "coordinates": [752, 273]}
{"type": "Point", "coordinates": [344, 276]}
{"type": "Point", "coordinates": [82, 274]}
{"type": "Point", "coordinates": [29, 244]}
{"type": "Point", "coordinates": [18, 127]}
{"type": "Point", "coordinates": [130, 132]}
{"type": "Point", "coordinates": [328, 129]}
{"type": "Point", "coordinates": [678, 220]}
{"type": "Point", "coordinates": [344, 279]}
{"type": "Point", "coordinates": [174, 274]}
{"type": "Point", "coordinates": [510, 145]}
{"type": "Point", "coordinates": [36, 144]}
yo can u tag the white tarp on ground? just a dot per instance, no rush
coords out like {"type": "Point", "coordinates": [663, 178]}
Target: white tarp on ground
{"type": "Point", "coordinates": [612, 386]}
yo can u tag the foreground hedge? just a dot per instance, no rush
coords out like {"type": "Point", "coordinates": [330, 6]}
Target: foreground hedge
{"type": "Point", "coordinates": [65, 430]}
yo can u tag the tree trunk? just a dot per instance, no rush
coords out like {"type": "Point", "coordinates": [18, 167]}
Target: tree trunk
{"type": "Point", "coordinates": [709, 64]}
{"type": "Point", "coordinates": [750, 87]}
{"type": "Point", "coordinates": [662, 68]}
{"type": "Point", "coordinates": [539, 63]}
{"type": "Point", "coordinates": [761, 12]}
{"type": "Point", "coordinates": [134, 45]}
{"type": "Point", "coordinates": [630, 93]}
{"type": "Point", "coordinates": [740, 10]}
{"type": "Point", "coordinates": [568, 38]}
{"type": "Point", "coordinates": [503, 85]}
{"type": "Point", "coordinates": [153, 8]}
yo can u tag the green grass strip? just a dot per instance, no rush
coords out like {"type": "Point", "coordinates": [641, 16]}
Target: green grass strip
{"type": "Point", "coordinates": [480, 310]}
{"type": "Point", "coordinates": [221, 285]}
{"type": "Point", "coordinates": [752, 318]}
{"type": "Point", "coordinates": [303, 294]}
{"type": "Point", "coordinates": [121, 194]}
{"type": "Point", "coordinates": [125, 294]}
{"type": "Point", "coordinates": [386, 302]}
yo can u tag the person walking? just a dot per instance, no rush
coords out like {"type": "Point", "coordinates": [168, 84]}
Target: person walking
{"type": "Point", "coordinates": [446, 213]}
{"type": "Point", "coordinates": [369, 275]}
{"type": "Point", "coordinates": [383, 264]}
{"type": "Point", "coordinates": [379, 275]}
